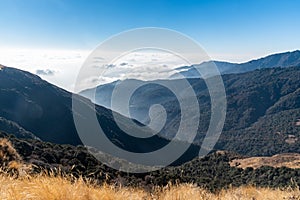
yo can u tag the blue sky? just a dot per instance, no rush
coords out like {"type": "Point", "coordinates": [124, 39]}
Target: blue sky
{"type": "Point", "coordinates": [234, 30]}
{"type": "Point", "coordinates": [246, 26]}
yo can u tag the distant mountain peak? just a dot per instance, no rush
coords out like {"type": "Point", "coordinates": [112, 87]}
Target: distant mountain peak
{"type": "Point", "coordinates": [282, 55]}
{"type": "Point", "coordinates": [284, 59]}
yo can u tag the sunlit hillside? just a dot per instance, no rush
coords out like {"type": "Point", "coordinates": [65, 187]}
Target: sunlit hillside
{"type": "Point", "coordinates": [290, 160]}
{"type": "Point", "coordinates": [17, 182]}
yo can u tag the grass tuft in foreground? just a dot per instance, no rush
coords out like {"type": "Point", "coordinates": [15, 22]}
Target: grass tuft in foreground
{"type": "Point", "coordinates": [44, 187]}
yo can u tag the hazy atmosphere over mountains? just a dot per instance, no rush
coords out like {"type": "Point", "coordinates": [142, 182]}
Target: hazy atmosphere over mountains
{"type": "Point", "coordinates": [265, 96]}
{"type": "Point", "coordinates": [262, 119]}
{"type": "Point", "coordinates": [275, 87]}
{"type": "Point", "coordinates": [149, 100]}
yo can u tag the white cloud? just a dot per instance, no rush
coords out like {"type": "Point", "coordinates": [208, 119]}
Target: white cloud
{"type": "Point", "coordinates": [45, 72]}
{"type": "Point", "coordinates": [141, 64]}
{"type": "Point", "coordinates": [145, 65]}
{"type": "Point", "coordinates": [46, 63]}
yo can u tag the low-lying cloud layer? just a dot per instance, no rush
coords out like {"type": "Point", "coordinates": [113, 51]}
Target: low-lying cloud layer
{"type": "Point", "coordinates": [59, 67]}
{"type": "Point", "coordinates": [144, 65]}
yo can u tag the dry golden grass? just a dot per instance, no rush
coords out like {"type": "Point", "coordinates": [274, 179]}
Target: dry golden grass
{"type": "Point", "coordinates": [8, 152]}
{"type": "Point", "coordinates": [59, 188]}
{"type": "Point", "coordinates": [21, 186]}
{"type": "Point", "coordinates": [10, 160]}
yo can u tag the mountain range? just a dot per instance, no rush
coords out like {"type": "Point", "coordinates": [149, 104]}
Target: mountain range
{"type": "Point", "coordinates": [262, 105]}
{"type": "Point", "coordinates": [286, 59]}
{"type": "Point", "coordinates": [101, 95]}
{"type": "Point", "coordinates": [263, 110]}
{"type": "Point", "coordinates": [33, 108]}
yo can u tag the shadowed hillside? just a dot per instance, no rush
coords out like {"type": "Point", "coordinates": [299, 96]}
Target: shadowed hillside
{"type": "Point", "coordinates": [263, 108]}
{"type": "Point", "coordinates": [46, 110]}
